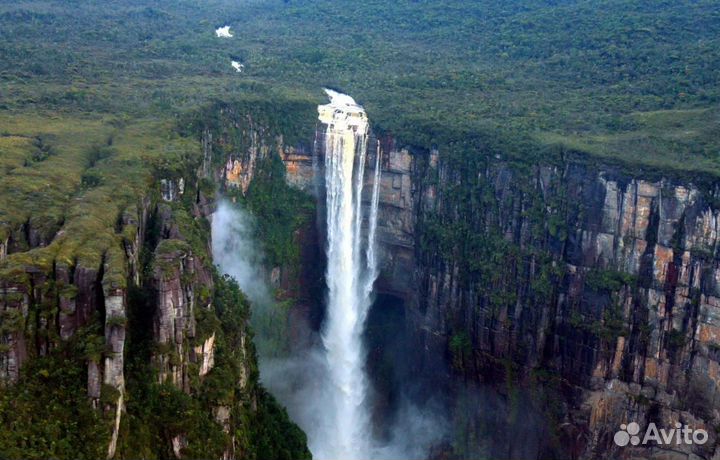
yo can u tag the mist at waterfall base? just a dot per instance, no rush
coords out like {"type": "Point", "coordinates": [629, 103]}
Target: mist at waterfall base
{"type": "Point", "coordinates": [301, 379]}
{"type": "Point", "coordinates": [235, 251]}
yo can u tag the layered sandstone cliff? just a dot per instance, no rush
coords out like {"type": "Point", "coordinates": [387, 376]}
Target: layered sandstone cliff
{"type": "Point", "coordinates": [143, 304]}
{"type": "Point", "coordinates": [606, 279]}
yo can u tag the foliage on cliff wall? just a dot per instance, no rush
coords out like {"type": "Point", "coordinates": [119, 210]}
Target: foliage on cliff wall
{"type": "Point", "coordinates": [280, 211]}
{"type": "Point", "coordinates": [47, 414]}
{"type": "Point", "coordinates": [578, 274]}
{"type": "Point", "coordinates": [157, 413]}
{"type": "Point", "coordinates": [242, 128]}
{"type": "Point", "coordinates": [506, 249]}
{"type": "Point", "coordinates": [98, 171]}
{"type": "Point", "coordinates": [232, 118]}
{"type": "Point", "coordinates": [252, 132]}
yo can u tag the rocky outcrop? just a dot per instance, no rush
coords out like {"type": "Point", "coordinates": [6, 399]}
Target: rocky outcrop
{"type": "Point", "coordinates": [235, 146]}
{"type": "Point", "coordinates": [171, 190]}
{"type": "Point", "coordinates": [206, 355]}
{"type": "Point", "coordinates": [241, 166]}
{"type": "Point", "coordinates": [396, 219]}
{"type": "Point", "coordinates": [178, 278]}
{"type": "Point", "coordinates": [174, 321]}
{"type": "Point", "coordinates": [3, 247]}
{"type": "Point", "coordinates": [73, 292]}
{"type": "Point", "coordinates": [300, 165]}
{"type": "Point", "coordinates": [79, 294]}
{"type": "Point", "coordinates": [83, 292]}
{"type": "Point", "coordinates": [114, 365]}
{"type": "Point", "coordinates": [15, 305]}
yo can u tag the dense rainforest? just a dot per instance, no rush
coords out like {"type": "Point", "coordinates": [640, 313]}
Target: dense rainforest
{"type": "Point", "coordinates": [548, 215]}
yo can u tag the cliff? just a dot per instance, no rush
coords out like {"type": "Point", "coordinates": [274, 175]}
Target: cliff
{"type": "Point", "coordinates": [592, 285]}
{"type": "Point", "coordinates": [605, 279]}
{"type": "Point", "coordinates": [583, 290]}
{"type": "Point", "coordinates": [118, 337]}
{"type": "Point", "coordinates": [583, 294]}
{"type": "Point", "coordinates": [264, 165]}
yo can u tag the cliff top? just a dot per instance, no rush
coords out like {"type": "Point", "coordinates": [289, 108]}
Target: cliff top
{"type": "Point", "coordinates": [66, 182]}
{"type": "Point", "coordinates": [343, 112]}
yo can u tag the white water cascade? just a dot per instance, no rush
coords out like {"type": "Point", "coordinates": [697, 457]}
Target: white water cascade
{"type": "Point", "coordinates": [350, 276]}
{"type": "Point", "coordinates": [324, 385]}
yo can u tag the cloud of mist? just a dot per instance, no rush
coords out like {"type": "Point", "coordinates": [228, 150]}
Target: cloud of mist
{"type": "Point", "coordinates": [415, 430]}
{"type": "Point", "coordinates": [235, 251]}
{"type": "Point", "coordinates": [300, 382]}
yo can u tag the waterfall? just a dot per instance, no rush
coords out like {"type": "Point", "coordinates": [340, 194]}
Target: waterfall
{"type": "Point", "coordinates": [324, 385]}
{"type": "Point", "coordinates": [349, 275]}
{"type": "Point", "coordinates": [372, 272]}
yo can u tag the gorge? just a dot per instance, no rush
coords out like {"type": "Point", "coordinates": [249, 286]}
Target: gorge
{"type": "Point", "coordinates": [558, 307]}
{"type": "Point", "coordinates": [503, 245]}
{"type": "Point", "coordinates": [586, 271]}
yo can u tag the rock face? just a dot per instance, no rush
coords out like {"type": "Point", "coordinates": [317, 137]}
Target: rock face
{"type": "Point", "coordinates": [42, 308]}
{"type": "Point", "coordinates": [396, 221]}
{"type": "Point", "coordinates": [610, 281]}
{"type": "Point", "coordinates": [236, 149]}
{"type": "Point", "coordinates": [3, 247]}
{"type": "Point", "coordinates": [300, 164]}
{"type": "Point", "coordinates": [80, 293]}
{"type": "Point", "coordinates": [174, 281]}
{"type": "Point", "coordinates": [607, 279]}
{"type": "Point", "coordinates": [235, 144]}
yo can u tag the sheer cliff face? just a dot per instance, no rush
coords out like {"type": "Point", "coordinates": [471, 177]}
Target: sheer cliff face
{"type": "Point", "coordinates": [612, 281]}
{"type": "Point", "coordinates": [157, 287]}
{"type": "Point", "coordinates": [608, 280]}
{"type": "Point", "coordinates": [45, 300]}
{"type": "Point", "coordinates": [513, 275]}
{"type": "Point", "coordinates": [82, 293]}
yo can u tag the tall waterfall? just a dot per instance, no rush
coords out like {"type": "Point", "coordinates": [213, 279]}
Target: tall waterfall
{"type": "Point", "coordinates": [350, 276]}
{"type": "Point", "coordinates": [324, 385]}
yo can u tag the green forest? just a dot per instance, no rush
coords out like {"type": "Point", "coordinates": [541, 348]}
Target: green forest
{"type": "Point", "coordinates": [636, 81]}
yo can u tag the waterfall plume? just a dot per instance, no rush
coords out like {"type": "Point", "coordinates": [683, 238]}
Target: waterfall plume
{"type": "Point", "coordinates": [326, 387]}
{"type": "Point", "coordinates": [350, 274]}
